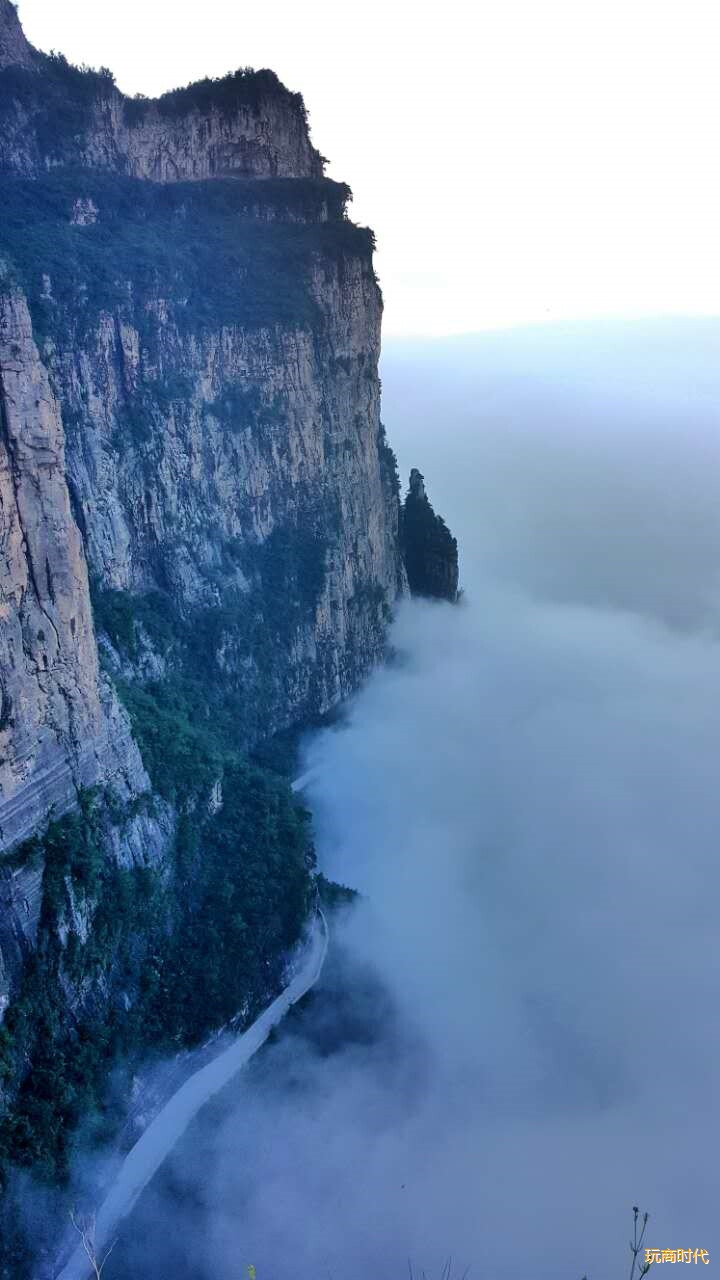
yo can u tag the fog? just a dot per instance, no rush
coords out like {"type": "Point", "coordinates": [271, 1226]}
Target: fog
{"type": "Point", "coordinates": [527, 798]}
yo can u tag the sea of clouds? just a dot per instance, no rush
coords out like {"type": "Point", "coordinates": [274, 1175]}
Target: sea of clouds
{"type": "Point", "coordinates": [527, 798]}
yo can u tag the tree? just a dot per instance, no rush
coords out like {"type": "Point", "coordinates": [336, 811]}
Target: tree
{"type": "Point", "coordinates": [85, 1227]}
{"type": "Point", "coordinates": [637, 1269]}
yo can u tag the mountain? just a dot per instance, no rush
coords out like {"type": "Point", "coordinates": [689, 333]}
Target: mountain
{"type": "Point", "coordinates": [199, 551]}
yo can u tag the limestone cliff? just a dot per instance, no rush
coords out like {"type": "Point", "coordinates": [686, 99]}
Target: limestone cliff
{"type": "Point", "coordinates": [199, 547]}
{"type": "Point", "coordinates": [202, 423]}
{"type": "Point", "coordinates": [60, 726]}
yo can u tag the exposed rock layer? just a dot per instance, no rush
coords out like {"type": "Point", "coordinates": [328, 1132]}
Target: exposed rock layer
{"type": "Point", "coordinates": [60, 726]}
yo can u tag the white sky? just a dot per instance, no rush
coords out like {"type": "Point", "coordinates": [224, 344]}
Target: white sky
{"type": "Point", "coordinates": [520, 160]}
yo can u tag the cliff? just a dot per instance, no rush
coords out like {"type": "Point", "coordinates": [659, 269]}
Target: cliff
{"type": "Point", "coordinates": [430, 551]}
{"type": "Point", "coordinates": [215, 353]}
{"type": "Point", "coordinates": [52, 113]}
{"type": "Point", "coordinates": [60, 725]}
{"type": "Point", "coordinates": [199, 525]}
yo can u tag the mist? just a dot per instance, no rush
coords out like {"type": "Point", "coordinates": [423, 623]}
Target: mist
{"type": "Point", "coordinates": [527, 799]}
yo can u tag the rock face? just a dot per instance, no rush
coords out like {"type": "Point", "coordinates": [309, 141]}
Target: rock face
{"type": "Point", "coordinates": [430, 551]}
{"type": "Point", "coordinates": [14, 48]}
{"type": "Point", "coordinates": [275, 439]}
{"type": "Point", "coordinates": [60, 727]}
{"type": "Point", "coordinates": [265, 139]}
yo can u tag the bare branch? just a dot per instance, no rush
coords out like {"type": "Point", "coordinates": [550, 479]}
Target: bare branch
{"type": "Point", "coordinates": [85, 1228]}
{"type": "Point", "coordinates": [636, 1245]}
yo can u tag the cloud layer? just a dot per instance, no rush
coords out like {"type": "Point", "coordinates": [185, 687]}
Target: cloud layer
{"type": "Point", "coordinates": [519, 1034]}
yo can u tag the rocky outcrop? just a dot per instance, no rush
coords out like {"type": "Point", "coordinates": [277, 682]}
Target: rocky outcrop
{"type": "Point", "coordinates": [429, 549]}
{"type": "Point", "coordinates": [60, 726]}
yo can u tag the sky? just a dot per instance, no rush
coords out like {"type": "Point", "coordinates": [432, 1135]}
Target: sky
{"type": "Point", "coordinates": [520, 162]}
{"type": "Point", "coordinates": [527, 799]}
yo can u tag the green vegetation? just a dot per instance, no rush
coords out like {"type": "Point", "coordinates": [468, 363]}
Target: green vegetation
{"type": "Point", "coordinates": [244, 876]}
{"type": "Point", "coordinates": [224, 663]}
{"type": "Point", "coordinates": [115, 614]}
{"type": "Point", "coordinates": [193, 946]}
{"type": "Point", "coordinates": [334, 895]}
{"type": "Point", "coordinates": [69, 1056]}
{"type": "Point", "coordinates": [178, 737]}
{"type": "Point", "coordinates": [59, 96]}
{"type": "Point", "coordinates": [430, 550]}
{"type": "Point", "coordinates": [119, 614]}
{"type": "Point", "coordinates": [241, 408]}
{"type": "Point", "coordinates": [195, 244]}
{"type": "Point", "coordinates": [388, 461]}
{"type": "Point", "coordinates": [228, 94]}
{"type": "Point", "coordinates": [291, 566]}
{"type": "Point", "coordinates": [169, 957]}
{"type": "Point", "coordinates": [175, 950]}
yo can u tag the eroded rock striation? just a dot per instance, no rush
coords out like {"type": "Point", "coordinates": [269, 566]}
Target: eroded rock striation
{"type": "Point", "coordinates": [60, 726]}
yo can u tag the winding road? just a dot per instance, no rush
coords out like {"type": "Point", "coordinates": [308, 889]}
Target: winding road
{"type": "Point", "coordinates": [158, 1140]}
